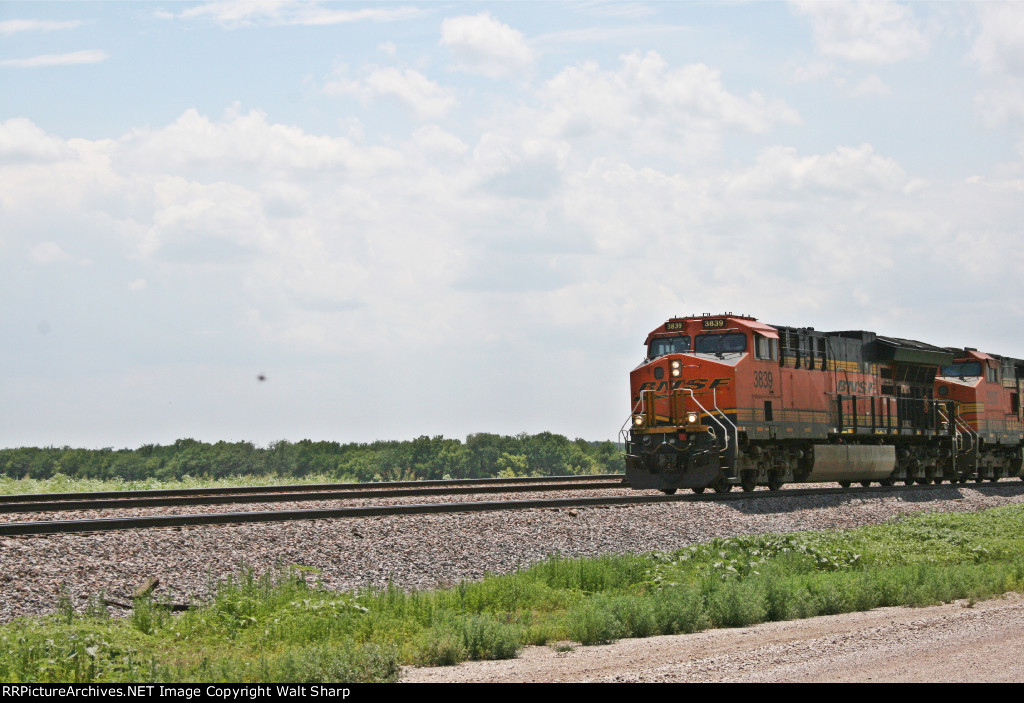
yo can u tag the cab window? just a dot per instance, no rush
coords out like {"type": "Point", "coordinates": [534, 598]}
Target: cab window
{"type": "Point", "coordinates": [963, 369]}
{"type": "Point", "coordinates": [670, 345]}
{"type": "Point", "coordinates": [720, 343]}
{"type": "Point", "coordinates": [766, 348]}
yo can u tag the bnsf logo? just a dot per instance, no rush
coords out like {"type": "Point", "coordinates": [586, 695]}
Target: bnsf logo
{"type": "Point", "coordinates": [862, 387]}
{"type": "Point", "coordinates": [697, 384]}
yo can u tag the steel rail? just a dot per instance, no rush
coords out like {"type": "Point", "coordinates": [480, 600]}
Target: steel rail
{"type": "Point", "coordinates": [157, 521]}
{"type": "Point", "coordinates": [43, 506]}
{"type": "Point", "coordinates": [300, 488]}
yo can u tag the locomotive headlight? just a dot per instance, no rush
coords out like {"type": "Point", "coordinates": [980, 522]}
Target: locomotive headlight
{"type": "Point", "coordinates": [638, 420]}
{"type": "Point", "coordinates": [677, 367]}
{"type": "Point", "coordinates": [676, 363]}
{"type": "Point", "coordinates": [691, 418]}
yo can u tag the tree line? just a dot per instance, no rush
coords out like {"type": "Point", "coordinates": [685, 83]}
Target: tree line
{"type": "Point", "coordinates": [424, 458]}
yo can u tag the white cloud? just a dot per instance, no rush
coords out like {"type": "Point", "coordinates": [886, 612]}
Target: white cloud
{"type": "Point", "coordinates": [872, 86]}
{"type": "Point", "coordinates": [74, 58]}
{"type": "Point", "coordinates": [646, 106]}
{"type": "Point", "coordinates": [13, 26]}
{"type": "Point", "coordinates": [438, 143]}
{"type": "Point", "coordinates": [871, 32]}
{"type": "Point", "coordinates": [793, 236]}
{"type": "Point", "coordinates": [204, 224]}
{"type": "Point", "coordinates": [998, 48]}
{"type": "Point", "coordinates": [232, 14]}
{"type": "Point", "coordinates": [1000, 103]}
{"type": "Point", "coordinates": [324, 16]}
{"type": "Point", "coordinates": [47, 253]}
{"type": "Point", "coordinates": [998, 51]}
{"type": "Point", "coordinates": [481, 44]}
{"type": "Point", "coordinates": [239, 13]}
{"type": "Point", "coordinates": [243, 143]}
{"type": "Point", "coordinates": [812, 71]}
{"type": "Point", "coordinates": [425, 98]}
{"type": "Point", "coordinates": [22, 140]}
{"type": "Point", "coordinates": [620, 8]}
{"type": "Point", "coordinates": [249, 236]}
{"type": "Point", "coordinates": [241, 197]}
{"type": "Point", "coordinates": [853, 171]}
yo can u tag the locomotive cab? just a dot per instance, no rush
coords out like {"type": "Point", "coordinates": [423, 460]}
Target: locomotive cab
{"type": "Point", "coordinates": [683, 430]}
{"type": "Point", "coordinates": [987, 392]}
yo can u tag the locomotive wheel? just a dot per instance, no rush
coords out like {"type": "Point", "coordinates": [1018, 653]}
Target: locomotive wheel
{"type": "Point", "coordinates": [775, 483]}
{"type": "Point", "coordinates": [887, 482]}
{"type": "Point", "coordinates": [699, 489]}
{"type": "Point", "coordinates": [748, 482]}
{"type": "Point", "coordinates": [845, 484]}
{"type": "Point", "coordinates": [720, 486]}
{"type": "Point", "coordinates": [668, 491]}
{"type": "Point", "coordinates": [866, 484]}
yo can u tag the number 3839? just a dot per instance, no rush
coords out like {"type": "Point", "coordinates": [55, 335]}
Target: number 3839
{"type": "Point", "coordinates": [763, 379]}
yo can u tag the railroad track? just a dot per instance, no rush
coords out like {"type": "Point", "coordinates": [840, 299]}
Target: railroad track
{"type": "Point", "coordinates": [61, 502]}
{"type": "Point", "coordinates": [157, 521]}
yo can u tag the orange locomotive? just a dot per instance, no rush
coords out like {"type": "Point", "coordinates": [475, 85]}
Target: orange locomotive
{"type": "Point", "coordinates": [724, 400]}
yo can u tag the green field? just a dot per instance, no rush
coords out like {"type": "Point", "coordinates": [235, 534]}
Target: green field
{"type": "Point", "coordinates": [193, 463]}
{"type": "Point", "coordinates": [283, 627]}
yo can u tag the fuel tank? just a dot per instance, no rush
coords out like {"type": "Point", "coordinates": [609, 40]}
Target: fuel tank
{"type": "Point", "coordinates": [852, 462]}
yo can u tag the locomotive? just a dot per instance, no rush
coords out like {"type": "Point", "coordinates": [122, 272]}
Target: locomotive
{"type": "Point", "coordinates": [725, 400]}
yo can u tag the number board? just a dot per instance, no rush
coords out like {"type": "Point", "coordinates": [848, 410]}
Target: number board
{"type": "Point", "coordinates": [671, 326]}
{"type": "Point", "coordinates": [715, 324]}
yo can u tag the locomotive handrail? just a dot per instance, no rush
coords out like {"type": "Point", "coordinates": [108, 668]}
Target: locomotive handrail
{"type": "Point", "coordinates": [968, 430]}
{"type": "Point", "coordinates": [932, 411]}
{"type": "Point", "coordinates": [725, 431]}
{"type": "Point", "coordinates": [961, 428]}
{"type": "Point", "coordinates": [629, 421]}
{"type": "Point", "coordinates": [955, 433]}
{"type": "Point", "coordinates": [714, 399]}
{"type": "Point", "coordinates": [735, 429]}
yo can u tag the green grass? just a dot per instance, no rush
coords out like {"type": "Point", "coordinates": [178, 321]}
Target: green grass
{"type": "Point", "coordinates": [59, 483]}
{"type": "Point", "coordinates": [282, 626]}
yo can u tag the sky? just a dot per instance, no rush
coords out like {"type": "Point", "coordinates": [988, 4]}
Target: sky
{"type": "Point", "coordinates": [356, 221]}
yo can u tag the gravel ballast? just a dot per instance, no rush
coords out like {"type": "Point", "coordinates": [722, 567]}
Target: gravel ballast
{"type": "Point", "coordinates": [962, 642]}
{"type": "Point", "coordinates": [426, 550]}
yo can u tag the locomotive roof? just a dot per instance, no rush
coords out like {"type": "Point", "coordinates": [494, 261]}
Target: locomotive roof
{"type": "Point", "coordinates": [879, 347]}
{"type": "Point", "coordinates": [744, 321]}
{"type": "Point", "coordinates": [911, 351]}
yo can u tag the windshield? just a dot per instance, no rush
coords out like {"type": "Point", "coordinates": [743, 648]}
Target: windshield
{"type": "Point", "coordinates": [670, 345]}
{"type": "Point", "coordinates": [720, 343]}
{"type": "Point", "coordinates": [966, 368]}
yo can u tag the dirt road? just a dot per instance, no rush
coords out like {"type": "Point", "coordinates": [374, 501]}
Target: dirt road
{"type": "Point", "coordinates": [961, 642]}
